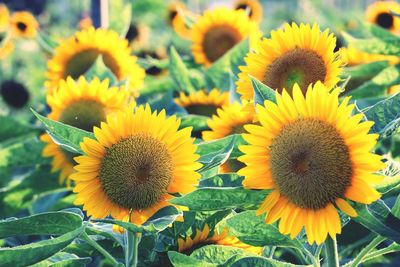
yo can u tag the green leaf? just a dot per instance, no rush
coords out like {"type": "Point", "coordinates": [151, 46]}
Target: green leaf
{"type": "Point", "coordinates": [205, 148]}
{"type": "Point", "coordinates": [179, 72]}
{"type": "Point", "coordinates": [387, 46]}
{"type": "Point", "coordinates": [181, 260]}
{"type": "Point", "coordinates": [210, 199]}
{"type": "Point", "coordinates": [253, 230]}
{"type": "Point", "coordinates": [379, 32]}
{"type": "Point", "coordinates": [11, 128]}
{"type": "Point", "coordinates": [198, 122]}
{"type": "Point", "coordinates": [32, 253]}
{"type": "Point", "coordinates": [46, 42]}
{"type": "Point", "coordinates": [262, 92]}
{"type": "Point", "coordinates": [260, 262]}
{"type": "Point", "coordinates": [48, 223]}
{"type": "Point", "coordinates": [68, 137]}
{"type": "Point", "coordinates": [120, 17]}
{"type": "Point", "coordinates": [216, 158]}
{"type": "Point", "coordinates": [219, 254]}
{"type": "Point", "coordinates": [386, 115]}
{"type": "Point", "coordinates": [396, 208]}
{"type": "Point", "coordinates": [101, 71]}
{"type": "Point", "coordinates": [63, 259]}
{"type": "Point", "coordinates": [159, 85]}
{"type": "Point", "coordinates": [222, 180]}
{"type": "Point", "coordinates": [221, 71]}
{"type": "Point", "coordinates": [388, 184]}
{"type": "Point", "coordinates": [378, 218]}
{"type": "Point", "coordinates": [365, 70]}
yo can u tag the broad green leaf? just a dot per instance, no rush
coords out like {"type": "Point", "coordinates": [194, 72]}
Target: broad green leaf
{"type": "Point", "coordinates": [159, 85]}
{"type": "Point", "coordinates": [209, 199]}
{"type": "Point", "coordinates": [63, 259]}
{"type": "Point", "coordinates": [378, 218]}
{"type": "Point", "coordinates": [262, 92]}
{"type": "Point", "coordinates": [218, 254]}
{"type": "Point", "coordinates": [179, 72]}
{"type": "Point", "coordinates": [365, 70]}
{"type": "Point", "coordinates": [387, 46]}
{"type": "Point", "coordinates": [260, 262]}
{"type": "Point", "coordinates": [46, 42]}
{"type": "Point", "coordinates": [198, 122]}
{"type": "Point", "coordinates": [205, 148]}
{"type": "Point", "coordinates": [217, 157]}
{"type": "Point", "coordinates": [48, 223]}
{"type": "Point", "coordinates": [181, 260]}
{"type": "Point", "coordinates": [101, 71]}
{"type": "Point", "coordinates": [45, 201]}
{"type": "Point", "coordinates": [120, 17]}
{"type": "Point", "coordinates": [11, 128]}
{"type": "Point", "coordinates": [379, 32]}
{"type": "Point", "coordinates": [386, 115]}
{"type": "Point", "coordinates": [32, 253]}
{"type": "Point", "coordinates": [68, 137]}
{"type": "Point", "coordinates": [253, 230]}
{"type": "Point", "coordinates": [220, 71]}
{"type": "Point", "coordinates": [222, 180]}
{"type": "Point", "coordinates": [388, 184]}
{"type": "Point", "coordinates": [396, 208]}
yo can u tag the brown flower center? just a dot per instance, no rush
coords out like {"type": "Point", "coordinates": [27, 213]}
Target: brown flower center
{"type": "Point", "coordinates": [202, 109]}
{"type": "Point", "coordinates": [310, 163]}
{"type": "Point", "coordinates": [21, 26]}
{"type": "Point", "coordinates": [385, 20]}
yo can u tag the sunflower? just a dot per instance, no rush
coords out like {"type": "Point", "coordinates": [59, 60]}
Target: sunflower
{"type": "Point", "coordinates": [315, 156]}
{"type": "Point", "coordinates": [176, 19]}
{"type": "Point", "coordinates": [24, 24]}
{"type": "Point", "coordinates": [137, 35]}
{"type": "Point", "coordinates": [138, 162]}
{"type": "Point", "coordinates": [295, 54]}
{"type": "Point", "coordinates": [14, 94]}
{"type": "Point", "coordinates": [202, 102]}
{"type": "Point", "coordinates": [74, 56]}
{"type": "Point", "coordinates": [253, 7]}
{"type": "Point", "coordinates": [352, 57]}
{"type": "Point", "coordinates": [229, 119]}
{"type": "Point", "coordinates": [218, 30]}
{"type": "Point", "coordinates": [85, 23]}
{"type": "Point", "coordinates": [207, 237]}
{"type": "Point", "coordinates": [4, 17]}
{"type": "Point", "coordinates": [379, 13]}
{"type": "Point", "coordinates": [83, 105]}
{"type": "Point", "coordinates": [395, 89]}
{"type": "Point", "coordinates": [6, 47]}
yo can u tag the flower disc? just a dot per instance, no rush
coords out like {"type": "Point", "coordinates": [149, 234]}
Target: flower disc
{"type": "Point", "coordinates": [380, 13]}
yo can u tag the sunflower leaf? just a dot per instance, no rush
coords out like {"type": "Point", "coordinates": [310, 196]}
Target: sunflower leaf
{"type": "Point", "coordinates": [11, 128]}
{"type": "Point", "coordinates": [68, 137]}
{"type": "Point", "coordinates": [259, 261]}
{"type": "Point", "coordinates": [179, 72]}
{"type": "Point", "coordinates": [262, 92]}
{"type": "Point", "coordinates": [217, 157]}
{"type": "Point", "coordinates": [179, 259]}
{"type": "Point", "coordinates": [219, 254]}
{"type": "Point", "coordinates": [101, 71]}
{"type": "Point", "coordinates": [198, 122]}
{"type": "Point", "coordinates": [386, 46]}
{"type": "Point", "coordinates": [365, 70]}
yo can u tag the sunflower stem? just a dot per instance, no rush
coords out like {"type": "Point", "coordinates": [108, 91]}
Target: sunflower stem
{"type": "Point", "coordinates": [100, 249]}
{"type": "Point", "coordinates": [131, 248]}
{"type": "Point", "coordinates": [332, 257]}
{"type": "Point", "coordinates": [375, 242]}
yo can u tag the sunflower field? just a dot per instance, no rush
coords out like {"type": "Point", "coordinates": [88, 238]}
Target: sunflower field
{"type": "Point", "coordinates": [197, 133]}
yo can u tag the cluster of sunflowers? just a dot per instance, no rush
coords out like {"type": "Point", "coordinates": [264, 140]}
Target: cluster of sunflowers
{"type": "Point", "coordinates": [206, 141]}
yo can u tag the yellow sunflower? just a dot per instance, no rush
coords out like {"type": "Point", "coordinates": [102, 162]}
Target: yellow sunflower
{"type": "Point", "coordinates": [379, 13]}
{"type": "Point", "coordinates": [253, 7]}
{"type": "Point", "coordinates": [137, 35]}
{"type": "Point", "coordinates": [85, 23]}
{"type": "Point", "coordinates": [83, 105]}
{"type": "Point", "coordinates": [296, 54]}
{"type": "Point", "coordinates": [352, 57]}
{"type": "Point", "coordinates": [207, 237]}
{"type": "Point", "coordinates": [315, 156]}
{"type": "Point", "coordinates": [218, 30]}
{"type": "Point", "coordinates": [138, 162]}
{"type": "Point", "coordinates": [24, 24]}
{"type": "Point", "coordinates": [75, 55]}
{"type": "Point", "coordinates": [202, 102]}
{"type": "Point", "coordinates": [6, 47]}
{"type": "Point", "coordinates": [394, 89]}
{"type": "Point", "coordinates": [176, 13]}
{"type": "Point", "coordinates": [4, 17]}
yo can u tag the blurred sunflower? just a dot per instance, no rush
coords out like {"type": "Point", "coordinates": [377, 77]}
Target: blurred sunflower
{"type": "Point", "coordinates": [253, 7]}
{"type": "Point", "coordinates": [202, 102]}
{"type": "Point", "coordinates": [176, 19]}
{"type": "Point", "coordinates": [4, 17]}
{"type": "Point", "coordinates": [218, 30]}
{"type": "Point", "coordinates": [74, 56]}
{"type": "Point", "coordinates": [315, 156]}
{"type": "Point", "coordinates": [14, 94]}
{"type": "Point", "coordinates": [228, 120]}
{"type": "Point", "coordinates": [138, 160]}
{"type": "Point", "coordinates": [24, 24]}
{"type": "Point", "coordinates": [157, 54]}
{"type": "Point", "coordinates": [206, 237]}
{"type": "Point", "coordinates": [137, 35]}
{"type": "Point", "coordinates": [85, 23]}
{"type": "Point", "coordinates": [6, 46]}
{"type": "Point", "coordinates": [351, 56]}
{"type": "Point", "coordinates": [395, 89]}
{"type": "Point", "coordinates": [81, 104]}
{"type": "Point", "coordinates": [296, 54]}
{"type": "Point", "coordinates": [379, 13]}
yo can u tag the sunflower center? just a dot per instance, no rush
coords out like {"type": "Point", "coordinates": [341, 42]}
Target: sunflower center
{"type": "Point", "coordinates": [238, 129]}
{"type": "Point", "coordinates": [84, 114]}
{"type": "Point", "coordinates": [21, 26]}
{"type": "Point", "coordinates": [133, 33]}
{"type": "Point", "coordinates": [136, 171]}
{"type": "Point", "coordinates": [172, 15]}
{"type": "Point", "coordinates": [14, 94]}
{"type": "Point", "coordinates": [202, 109]}
{"type": "Point", "coordinates": [310, 163]}
{"type": "Point", "coordinates": [81, 62]}
{"type": "Point", "coordinates": [245, 7]}
{"type": "Point", "coordinates": [218, 40]}
{"type": "Point", "coordinates": [300, 66]}
{"type": "Point", "coordinates": [385, 20]}
{"type": "Point", "coordinates": [339, 43]}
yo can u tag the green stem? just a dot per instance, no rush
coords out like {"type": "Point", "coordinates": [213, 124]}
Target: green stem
{"type": "Point", "coordinates": [375, 242]}
{"type": "Point", "coordinates": [100, 249]}
{"type": "Point", "coordinates": [331, 252]}
{"type": "Point", "coordinates": [314, 261]}
{"type": "Point", "coordinates": [271, 252]}
{"type": "Point", "coordinates": [136, 241]}
{"type": "Point", "coordinates": [380, 252]}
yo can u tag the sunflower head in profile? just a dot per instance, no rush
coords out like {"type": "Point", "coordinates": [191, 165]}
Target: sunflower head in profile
{"type": "Point", "coordinates": [14, 94]}
{"type": "Point", "coordinates": [75, 55]}
{"type": "Point", "coordinates": [315, 156]}
{"type": "Point", "coordinates": [176, 13]}
{"type": "Point", "coordinates": [253, 8]}
{"type": "Point", "coordinates": [296, 54]}
{"type": "Point", "coordinates": [218, 30]}
{"type": "Point", "coordinates": [379, 13]}
{"type": "Point", "coordinates": [202, 102]}
{"type": "Point", "coordinates": [207, 236]}
{"type": "Point", "coordinates": [4, 17]}
{"type": "Point", "coordinates": [83, 105]}
{"type": "Point", "coordinates": [229, 119]}
{"type": "Point", "coordinates": [137, 35]}
{"type": "Point", "coordinates": [24, 24]}
{"type": "Point", "coordinates": [138, 162]}
{"type": "Point", "coordinates": [351, 57]}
